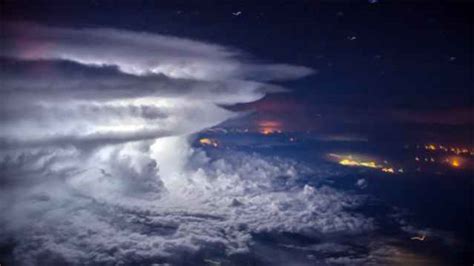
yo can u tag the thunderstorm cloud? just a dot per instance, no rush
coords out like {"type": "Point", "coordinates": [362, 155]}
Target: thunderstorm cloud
{"type": "Point", "coordinates": [96, 164]}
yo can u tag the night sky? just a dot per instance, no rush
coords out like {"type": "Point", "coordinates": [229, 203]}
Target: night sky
{"type": "Point", "coordinates": [236, 133]}
{"type": "Point", "coordinates": [381, 66]}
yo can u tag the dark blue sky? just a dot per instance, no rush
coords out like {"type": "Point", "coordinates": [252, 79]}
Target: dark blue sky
{"type": "Point", "coordinates": [385, 70]}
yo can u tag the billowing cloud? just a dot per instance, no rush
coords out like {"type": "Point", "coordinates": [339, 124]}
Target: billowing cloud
{"type": "Point", "coordinates": [97, 165]}
{"type": "Point", "coordinates": [99, 85]}
{"type": "Point", "coordinates": [112, 214]}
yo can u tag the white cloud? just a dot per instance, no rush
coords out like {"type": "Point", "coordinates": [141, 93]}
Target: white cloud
{"type": "Point", "coordinates": [97, 166]}
{"type": "Point", "coordinates": [113, 81]}
{"type": "Point", "coordinates": [103, 219]}
{"type": "Point", "coordinates": [140, 53]}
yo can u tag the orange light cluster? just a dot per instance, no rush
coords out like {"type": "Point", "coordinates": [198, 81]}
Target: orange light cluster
{"type": "Point", "coordinates": [267, 127]}
{"type": "Point", "coordinates": [208, 142]}
{"type": "Point", "coordinates": [388, 170]}
{"type": "Point", "coordinates": [456, 150]}
{"type": "Point", "coordinates": [455, 162]}
{"type": "Point", "coordinates": [430, 147]}
{"type": "Point", "coordinates": [349, 161]}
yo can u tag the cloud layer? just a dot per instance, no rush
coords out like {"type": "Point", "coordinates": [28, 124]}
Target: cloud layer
{"type": "Point", "coordinates": [120, 215]}
{"type": "Point", "coordinates": [71, 85]}
{"type": "Point", "coordinates": [96, 165]}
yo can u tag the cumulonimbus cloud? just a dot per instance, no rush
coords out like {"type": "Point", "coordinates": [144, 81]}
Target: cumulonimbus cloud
{"type": "Point", "coordinates": [54, 75]}
{"type": "Point", "coordinates": [97, 167]}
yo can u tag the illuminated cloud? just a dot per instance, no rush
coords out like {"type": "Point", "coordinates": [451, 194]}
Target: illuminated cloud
{"type": "Point", "coordinates": [105, 85]}
{"type": "Point", "coordinates": [97, 166]}
{"type": "Point", "coordinates": [95, 217]}
{"type": "Point", "coordinates": [140, 53]}
{"type": "Point", "coordinates": [59, 101]}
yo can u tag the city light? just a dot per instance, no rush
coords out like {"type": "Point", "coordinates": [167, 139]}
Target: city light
{"type": "Point", "coordinates": [267, 127]}
{"type": "Point", "coordinates": [209, 142]}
